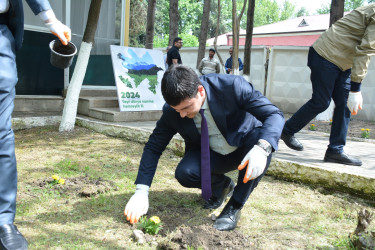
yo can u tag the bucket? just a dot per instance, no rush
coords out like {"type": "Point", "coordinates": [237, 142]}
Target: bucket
{"type": "Point", "coordinates": [62, 55]}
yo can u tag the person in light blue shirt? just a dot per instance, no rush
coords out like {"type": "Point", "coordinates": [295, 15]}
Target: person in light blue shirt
{"type": "Point", "coordinates": [11, 36]}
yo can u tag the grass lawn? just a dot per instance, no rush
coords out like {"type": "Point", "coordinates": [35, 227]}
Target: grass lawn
{"type": "Point", "coordinates": [99, 171]}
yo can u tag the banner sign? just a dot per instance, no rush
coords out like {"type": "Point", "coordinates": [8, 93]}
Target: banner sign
{"type": "Point", "coordinates": [138, 73]}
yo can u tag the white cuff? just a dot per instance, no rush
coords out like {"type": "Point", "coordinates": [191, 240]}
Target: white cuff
{"type": "Point", "coordinates": [142, 187]}
{"type": "Point", "coordinates": [47, 15]}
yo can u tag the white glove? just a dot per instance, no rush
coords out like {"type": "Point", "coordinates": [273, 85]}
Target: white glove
{"type": "Point", "coordinates": [60, 30]}
{"type": "Point", "coordinates": [354, 102]}
{"type": "Point", "coordinates": [55, 26]}
{"type": "Point", "coordinates": [138, 204]}
{"type": "Point", "coordinates": [255, 161]}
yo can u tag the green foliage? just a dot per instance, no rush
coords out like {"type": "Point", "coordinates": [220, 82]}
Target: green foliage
{"type": "Point", "coordinates": [67, 167]}
{"type": "Point", "coordinates": [365, 133]}
{"type": "Point", "coordinates": [189, 40]}
{"type": "Point", "coordinates": [161, 42]}
{"type": "Point", "coordinates": [344, 243]}
{"type": "Point", "coordinates": [312, 127]}
{"type": "Point", "coordinates": [150, 226]}
{"type": "Point", "coordinates": [268, 11]}
{"type": "Point", "coordinates": [302, 12]}
{"type": "Point", "coordinates": [137, 23]}
{"type": "Point", "coordinates": [348, 6]}
{"type": "Point", "coordinates": [190, 11]}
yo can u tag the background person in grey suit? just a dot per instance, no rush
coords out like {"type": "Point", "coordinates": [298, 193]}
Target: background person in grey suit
{"type": "Point", "coordinates": [11, 35]}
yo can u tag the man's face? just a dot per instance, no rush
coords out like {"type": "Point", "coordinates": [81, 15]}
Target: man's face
{"type": "Point", "coordinates": [178, 44]}
{"type": "Point", "coordinates": [190, 107]}
{"type": "Point", "coordinates": [230, 51]}
{"type": "Point", "coordinates": [211, 54]}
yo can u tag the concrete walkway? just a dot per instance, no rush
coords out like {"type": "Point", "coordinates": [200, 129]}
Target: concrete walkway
{"type": "Point", "coordinates": [305, 166]}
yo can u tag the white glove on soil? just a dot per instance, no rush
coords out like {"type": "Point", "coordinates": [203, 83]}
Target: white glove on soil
{"type": "Point", "coordinates": [354, 102]}
{"type": "Point", "coordinates": [138, 204]}
{"type": "Point", "coordinates": [256, 161]}
{"type": "Point", "coordinates": [55, 26]}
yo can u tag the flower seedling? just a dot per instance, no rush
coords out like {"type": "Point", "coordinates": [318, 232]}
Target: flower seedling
{"type": "Point", "coordinates": [312, 127]}
{"type": "Point", "coordinates": [365, 133]}
{"type": "Point", "coordinates": [150, 226]}
{"type": "Point", "coordinates": [57, 180]}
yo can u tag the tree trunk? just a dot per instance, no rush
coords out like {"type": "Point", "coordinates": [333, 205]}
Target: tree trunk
{"type": "Point", "coordinates": [150, 24]}
{"type": "Point", "coordinates": [217, 34]}
{"type": "Point", "coordinates": [235, 41]}
{"type": "Point", "coordinates": [235, 35]}
{"type": "Point", "coordinates": [71, 100]}
{"type": "Point", "coordinates": [174, 18]}
{"type": "Point", "coordinates": [337, 11]}
{"type": "Point", "coordinates": [249, 37]}
{"type": "Point", "coordinates": [204, 31]}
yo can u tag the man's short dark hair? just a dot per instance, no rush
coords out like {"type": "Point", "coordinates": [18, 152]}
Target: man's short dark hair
{"type": "Point", "coordinates": [176, 40]}
{"type": "Point", "coordinates": [213, 50]}
{"type": "Point", "coordinates": [178, 84]}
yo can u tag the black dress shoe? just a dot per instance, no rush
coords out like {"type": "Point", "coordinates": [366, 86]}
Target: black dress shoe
{"type": "Point", "coordinates": [11, 238]}
{"type": "Point", "coordinates": [292, 142]}
{"type": "Point", "coordinates": [215, 202]}
{"type": "Point", "coordinates": [228, 218]}
{"type": "Point", "coordinates": [342, 158]}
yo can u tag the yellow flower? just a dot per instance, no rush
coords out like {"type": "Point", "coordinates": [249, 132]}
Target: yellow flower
{"type": "Point", "coordinates": [362, 129]}
{"type": "Point", "coordinates": [62, 181]}
{"type": "Point", "coordinates": [55, 177]}
{"type": "Point", "coordinates": [367, 129]}
{"type": "Point", "coordinates": [155, 219]}
{"type": "Point", "coordinates": [313, 125]}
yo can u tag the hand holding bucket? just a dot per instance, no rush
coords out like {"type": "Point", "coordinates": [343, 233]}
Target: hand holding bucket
{"type": "Point", "coordinates": [62, 55]}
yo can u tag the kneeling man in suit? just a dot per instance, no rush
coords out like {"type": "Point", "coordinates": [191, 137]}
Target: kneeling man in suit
{"type": "Point", "coordinates": [226, 124]}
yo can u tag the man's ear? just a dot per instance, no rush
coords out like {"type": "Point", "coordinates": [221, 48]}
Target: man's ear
{"type": "Point", "coordinates": [201, 90]}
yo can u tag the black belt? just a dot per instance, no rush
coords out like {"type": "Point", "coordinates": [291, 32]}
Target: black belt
{"type": "Point", "coordinates": [4, 18]}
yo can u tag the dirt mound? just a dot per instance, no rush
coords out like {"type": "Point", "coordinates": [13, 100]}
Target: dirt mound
{"type": "Point", "coordinates": [206, 237]}
{"type": "Point", "coordinates": [80, 186]}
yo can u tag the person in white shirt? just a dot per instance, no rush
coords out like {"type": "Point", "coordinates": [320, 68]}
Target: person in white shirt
{"type": "Point", "coordinates": [209, 64]}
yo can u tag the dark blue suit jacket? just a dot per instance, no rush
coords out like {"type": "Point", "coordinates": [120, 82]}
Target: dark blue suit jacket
{"type": "Point", "coordinates": [16, 19]}
{"type": "Point", "coordinates": [237, 109]}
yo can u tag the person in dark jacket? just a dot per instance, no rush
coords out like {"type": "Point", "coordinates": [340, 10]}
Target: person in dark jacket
{"type": "Point", "coordinates": [229, 63]}
{"type": "Point", "coordinates": [216, 113]}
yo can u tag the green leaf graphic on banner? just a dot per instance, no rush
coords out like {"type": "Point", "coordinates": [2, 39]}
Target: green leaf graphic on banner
{"type": "Point", "coordinates": [126, 82]}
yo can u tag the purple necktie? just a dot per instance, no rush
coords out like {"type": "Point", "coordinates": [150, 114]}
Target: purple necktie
{"type": "Point", "coordinates": [205, 159]}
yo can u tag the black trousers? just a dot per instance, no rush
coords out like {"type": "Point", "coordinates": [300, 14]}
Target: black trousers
{"type": "Point", "coordinates": [188, 171]}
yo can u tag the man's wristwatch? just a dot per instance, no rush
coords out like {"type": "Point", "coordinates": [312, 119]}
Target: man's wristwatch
{"type": "Point", "coordinates": [265, 145]}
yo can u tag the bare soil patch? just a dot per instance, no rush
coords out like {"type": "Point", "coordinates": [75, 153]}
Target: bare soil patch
{"type": "Point", "coordinates": [77, 186]}
{"type": "Point", "coordinates": [205, 237]}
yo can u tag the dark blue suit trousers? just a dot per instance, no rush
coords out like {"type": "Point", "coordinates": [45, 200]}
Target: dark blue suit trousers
{"type": "Point", "coordinates": [8, 169]}
{"type": "Point", "coordinates": [188, 171]}
{"type": "Point", "coordinates": [328, 81]}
